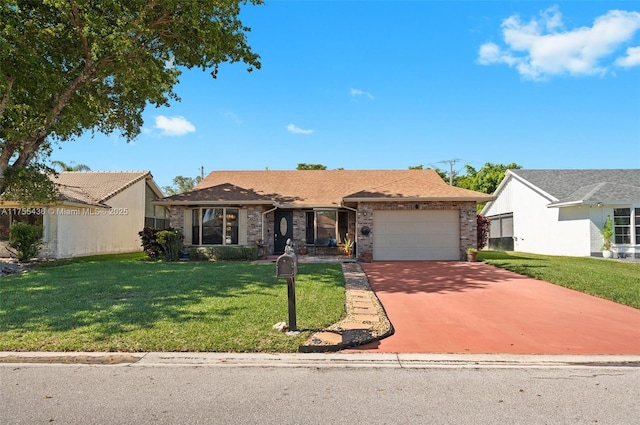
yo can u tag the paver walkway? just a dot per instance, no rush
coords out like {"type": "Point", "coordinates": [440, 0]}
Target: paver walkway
{"type": "Point", "coordinates": [364, 320]}
{"type": "Point", "coordinates": [458, 307]}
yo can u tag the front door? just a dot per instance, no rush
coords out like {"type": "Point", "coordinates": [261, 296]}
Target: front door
{"type": "Point", "coordinates": [283, 230]}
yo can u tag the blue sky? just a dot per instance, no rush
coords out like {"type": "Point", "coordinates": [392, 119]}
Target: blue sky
{"type": "Point", "coordinates": [393, 84]}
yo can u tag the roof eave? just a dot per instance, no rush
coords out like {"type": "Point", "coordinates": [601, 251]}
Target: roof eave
{"type": "Point", "coordinates": [64, 203]}
{"type": "Point", "coordinates": [212, 203]}
{"type": "Point", "coordinates": [423, 199]}
{"type": "Point", "coordinates": [587, 203]}
{"type": "Point", "coordinates": [154, 186]}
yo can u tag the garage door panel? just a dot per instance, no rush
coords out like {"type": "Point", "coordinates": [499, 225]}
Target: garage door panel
{"type": "Point", "coordinates": [416, 235]}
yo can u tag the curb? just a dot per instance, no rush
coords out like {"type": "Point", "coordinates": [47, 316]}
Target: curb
{"type": "Point", "coordinates": [319, 360]}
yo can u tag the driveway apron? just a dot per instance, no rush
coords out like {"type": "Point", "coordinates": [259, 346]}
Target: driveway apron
{"type": "Point", "coordinates": [459, 307]}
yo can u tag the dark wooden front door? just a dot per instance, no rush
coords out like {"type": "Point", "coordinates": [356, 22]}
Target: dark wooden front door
{"type": "Point", "coordinates": [283, 230]}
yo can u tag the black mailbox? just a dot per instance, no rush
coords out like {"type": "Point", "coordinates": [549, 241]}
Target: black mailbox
{"type": "Point", "coordinates": [287, 265]}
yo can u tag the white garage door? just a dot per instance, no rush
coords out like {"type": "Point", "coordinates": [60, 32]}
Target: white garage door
{"type": "Point", "coordinates": [416, 235]}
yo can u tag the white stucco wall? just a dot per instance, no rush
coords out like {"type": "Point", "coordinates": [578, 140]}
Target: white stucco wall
{"type": "Point", "coordinates": [540, 229]}
{"type": "Point", "coordinates": [90, 231]}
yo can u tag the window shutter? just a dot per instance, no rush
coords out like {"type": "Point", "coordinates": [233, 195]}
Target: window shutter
{"type": "Point", "coordinates": [187, 229]}
{"type": "Point", "coordinates": [242, 227]}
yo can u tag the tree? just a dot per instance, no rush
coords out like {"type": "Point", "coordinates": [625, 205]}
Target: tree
{"type": "Point", "coordinates": [487, 179]}
{"type": "Point", "coordinates": [303, 166]}
{"type": "Point", "coordinates": [68, 66]}
{"type": "Point", "coordinates": [63, 166]}
{"type": "Point", "coordinates": [181, 185]}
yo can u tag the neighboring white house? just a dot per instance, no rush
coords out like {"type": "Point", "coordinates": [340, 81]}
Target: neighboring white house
{"type": "Point", "coordinates": [561, 212]}
{"type": "Point", "coordinates": [98, 213]}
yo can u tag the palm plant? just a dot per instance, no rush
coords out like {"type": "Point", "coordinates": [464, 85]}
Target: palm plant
{"type": "Point", "coordinates": [63, 166]}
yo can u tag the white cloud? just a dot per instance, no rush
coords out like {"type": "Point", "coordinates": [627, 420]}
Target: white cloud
{"type": "Point", "coordinates": [542, 47]}
{"type": "Point", "coordinates": [631, 59]}
{"type": "Point", "coordinates": [233, 117]}
{"type": "Point", "coordinates": [358, 92]}
{"type": "Point", "coordinates": [297, 130]}
{"type": "Point", "coordinates": [174, 126]}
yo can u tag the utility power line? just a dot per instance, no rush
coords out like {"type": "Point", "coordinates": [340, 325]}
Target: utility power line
{"type": "Point", "coordinates": [451, 164]}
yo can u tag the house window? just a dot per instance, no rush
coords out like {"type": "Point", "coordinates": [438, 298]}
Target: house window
{"type": "Point", "coordinates": [637, 226]}
{"type": "Point", "coordinates": [622, 225]}
{"type": "Point", "coordinates": [215, 226]}
{"type": "Point", "coordinates": [7, 219]}
{"type": "Point", "coordinates": [310, 229]}
{"type": "Point", "coordinates": [327, 225]}
{"type": "Point", "coordinates": [157, 218]}
{"type": "Point", "coordinates": [156, 223]}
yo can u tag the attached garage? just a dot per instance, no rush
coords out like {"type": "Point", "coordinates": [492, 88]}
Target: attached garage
{"type": "Point", "coordinates": [416, 235]}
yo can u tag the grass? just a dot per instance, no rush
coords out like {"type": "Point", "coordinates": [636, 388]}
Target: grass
{"type": "Point", "coordinates": [120, 303]}
{"type": "Point", "coordinates": [610, 279]}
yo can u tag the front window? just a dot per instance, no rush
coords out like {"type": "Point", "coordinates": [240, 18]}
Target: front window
{"type": "Point", "coordinates": [215, 226]}
{"type": "Point", "coordinates": [622, 225]}
{"type": "Point", "coordinates": [327, 225]}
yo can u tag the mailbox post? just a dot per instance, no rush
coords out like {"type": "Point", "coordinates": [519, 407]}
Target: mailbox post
{"type": "Point", "coordinates": [287, 267]}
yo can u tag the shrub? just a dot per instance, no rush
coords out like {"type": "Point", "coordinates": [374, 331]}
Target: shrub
{"type": "Point", "coordinates": [150, 243]}
{"type": "Point", "coordinates": [171, 243]}
{"type": "Point", "coordinates": [224, 253]}
{"type": "Point", "coordinates": [607, 233]}
{"type": "Point", "coordinates": [199, 254]}
{"type": "Point", "coordinates": [26, 239]}
{"type": "Point", "coordinates": [483, 230]}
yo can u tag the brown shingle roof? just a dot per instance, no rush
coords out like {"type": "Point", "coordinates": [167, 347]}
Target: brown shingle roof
{"type": "Point", "coordinates": [309, 188]}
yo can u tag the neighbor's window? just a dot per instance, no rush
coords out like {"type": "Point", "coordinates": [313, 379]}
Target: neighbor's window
{"type": "Point", "coordinates": [637, 226]}
{"type": "Point", "coordinates": [5, 223]}
{"type": "Point", "coordinates": [7, 219]}
{"type": "Point", "coordinates": [215, 226]}
{"type": "Point", "coordinates": [157, 218]}
{"type": "Point", "coordinates": [622, 225]}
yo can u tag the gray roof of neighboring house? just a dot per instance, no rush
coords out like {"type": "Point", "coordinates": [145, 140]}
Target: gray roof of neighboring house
{"type": "Point", "coordinates": [585, 186]}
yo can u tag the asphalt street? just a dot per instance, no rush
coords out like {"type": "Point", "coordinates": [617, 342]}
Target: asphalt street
{"type": "Point", "coordinates": [323, 389]}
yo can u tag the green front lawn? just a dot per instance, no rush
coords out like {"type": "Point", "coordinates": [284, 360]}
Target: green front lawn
{"type": "Point", "coordinates": [125, 304]}
{"type": "Point", "coordinates": [617, 281]}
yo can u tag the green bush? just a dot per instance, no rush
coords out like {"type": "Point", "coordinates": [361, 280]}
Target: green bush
{"type": "Point", "coordinates": [199, 254]}
{"type": "Point", "coordinates": [171, 243]}
{"type": "Point", "coordinates": [150, 243]}
{"type": "Point", "coordinates": [162, 244]}
{"type": "Point", "coordinates": [224, 253]}
{"type": "Point", "coordinates": [26, 239]}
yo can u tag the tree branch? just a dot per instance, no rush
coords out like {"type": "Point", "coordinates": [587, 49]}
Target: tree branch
{"type": "Point", "coordinates": [75, 20]}
{"type": "Point", "coordinates": [5, 96]}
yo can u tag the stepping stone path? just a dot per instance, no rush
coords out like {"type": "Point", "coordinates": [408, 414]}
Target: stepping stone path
{"type": "Point", "coordinates": [365, 320]}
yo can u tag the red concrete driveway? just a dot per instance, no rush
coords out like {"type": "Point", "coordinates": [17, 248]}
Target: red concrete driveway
{"type": "Point", "coordinates": [458, 307]}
